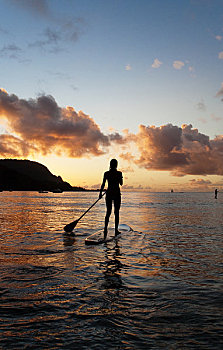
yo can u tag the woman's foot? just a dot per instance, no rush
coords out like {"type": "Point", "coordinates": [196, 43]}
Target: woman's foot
{"type": "Point", "coordinates": [117, 232]}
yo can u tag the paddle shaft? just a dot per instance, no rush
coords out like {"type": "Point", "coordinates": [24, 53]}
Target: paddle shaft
{"type": "Point", "coordinates": [70, 227]}
{"type": "Point", "coordinates": [89, 208]}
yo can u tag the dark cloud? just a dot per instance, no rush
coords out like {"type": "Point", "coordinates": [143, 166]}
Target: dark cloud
{"type": "Point", "coordinates": [61, 29]}
{"type": "Point", "coordinates": [50, 39]}
{"type": "Point", "coordinates": [160, 147]}
{"type": "Point", "coordinates": [182, 151]}
{"type": "Point", "coordinates": [53, 38]}
{"type": "Point", "coordinates": [39, 7]}
{"type": "Point", "coordinates": [72, 28]}
{"type": "Point", "coordinates": [117, 138]}
{"type": "Point", "coordinates": [45, 126]}
{"type": "Point", "coordinates": [10, 51]}
{"type": "Point", "coordinates": [192, 135]}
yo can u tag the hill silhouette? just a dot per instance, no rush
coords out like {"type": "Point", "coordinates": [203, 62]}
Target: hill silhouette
{"type": "Point", "coordinates": [26, 175]}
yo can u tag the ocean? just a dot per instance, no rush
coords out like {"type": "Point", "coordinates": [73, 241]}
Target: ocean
{"type": "Point", "coordinates": [157, 287]}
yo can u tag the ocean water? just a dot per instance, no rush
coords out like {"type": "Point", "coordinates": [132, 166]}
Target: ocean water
{"type": "Point", "coordinates": [158, 287]}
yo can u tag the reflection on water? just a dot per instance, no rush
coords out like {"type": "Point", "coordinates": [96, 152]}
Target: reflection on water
{"type": "Point", "coordinates": [112, 269]}
{"type": "Point", "coordinates": [157, 287]}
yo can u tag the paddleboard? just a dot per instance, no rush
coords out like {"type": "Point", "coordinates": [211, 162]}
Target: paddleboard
{"type": "Point", "coordinates": [98, 237]}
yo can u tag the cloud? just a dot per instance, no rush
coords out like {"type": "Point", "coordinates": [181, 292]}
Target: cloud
{"type": "Point", "coordinates": [96, 186]}
{"type": "Point", "coordinates": [127, 156]}
{"type": "Point", "coordinates": [128, 169]}
{"type": "Point", "coordinates": [60, 29]}
{"type": "Point", "coordinates": [178, 65]}
{"type": "Point", "coordinates": [44, 126]}
{"type": "Point", "coordinates": [50, 38]}
{"type": "Point", "coordinates": [192, 70]}
{"type": "Point", "coordinates": [156, 63]}
{"type": "Point", "coordinates": [220, 55]}
{"type": "Point", "coordinates": [181, 151]}
{"type": "Point", "coordinates": [59, 75]}
{"type": "Point", "coordinates": [134, 187]}
{"type": "Point", "coordinates": [128, 67]}
{"type": "Point", "coordinates": [10, 51]}
{"type": "Point", "coordinates": [201, 106]}
{"type": "Point", "coordinates": [41, 126]}
{"type": "Point", "coordinates": [200, 183]}
{"type": "Point", "coordinates": [53, 38]}
{"type": "Point", "coordinates": [11, 146]}
{"type": "Point", "coordinates": [65, 28]}
{"type": "Point", "coordinates": [117, 138]}
{"type": "Point", "coordinates": [39, 7]}
{"type": "Point", "coordinates": [218, 37]}
{"type": "Point", "coordinates": [220, 92]}
{"type": "Point", "coordinates": [159, 147]}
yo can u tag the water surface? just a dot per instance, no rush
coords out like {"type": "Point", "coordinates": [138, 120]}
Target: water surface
{"type": "Point", "coordinates": [159, 287]}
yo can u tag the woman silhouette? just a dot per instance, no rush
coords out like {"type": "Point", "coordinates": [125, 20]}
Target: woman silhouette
{"type": "Point", "coordinates": [114, 179]}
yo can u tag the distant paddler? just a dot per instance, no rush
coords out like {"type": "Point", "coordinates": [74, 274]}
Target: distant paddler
{"type": "Point", "coordinates": [216, 193]}
{"type": "Point", "coordinates": [114, 179]}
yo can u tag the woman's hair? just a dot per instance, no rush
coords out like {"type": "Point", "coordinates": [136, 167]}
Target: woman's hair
{"type": "Point", "coordinates": [113, 164]}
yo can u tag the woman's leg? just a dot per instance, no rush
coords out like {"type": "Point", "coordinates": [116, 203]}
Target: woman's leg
{"type": "Point", "coordinates": [117, 204]}
{"type": "Point", "coordinates": [108, 213]}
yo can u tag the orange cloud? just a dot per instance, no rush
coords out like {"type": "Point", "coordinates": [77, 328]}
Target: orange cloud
{"type": "Point", "coordinates": [200, 183]}
{"type": "Point", "coordinates": [127, 156]}
{"type": "Point", "coordinates": [182, 151]}
{"type": "Point", "coordinates": [41, 126]}
{"type": "Point", "coordinates": [45, 126]}
{"type": "Point", "coordinates": [178, 65]}
{"type": "Point", "coordinates": [11, 146]}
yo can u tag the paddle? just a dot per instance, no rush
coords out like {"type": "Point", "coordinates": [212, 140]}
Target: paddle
{"type": "Point", "coordinates": [72, 225]}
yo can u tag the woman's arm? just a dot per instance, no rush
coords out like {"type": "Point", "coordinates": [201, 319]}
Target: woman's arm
{"type": "Point", "coordinates": [121, 179]}
{"type": "Point", "coordinates": [102, 186]}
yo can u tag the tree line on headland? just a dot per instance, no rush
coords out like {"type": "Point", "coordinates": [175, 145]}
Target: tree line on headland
{"type": "Point", "coordinates": [26, 175]}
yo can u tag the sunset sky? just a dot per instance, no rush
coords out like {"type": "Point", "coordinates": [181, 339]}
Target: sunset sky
{"type": "Point", "coordinates": [84, 81]}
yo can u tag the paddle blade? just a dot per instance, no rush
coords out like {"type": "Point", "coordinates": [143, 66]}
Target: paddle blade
{"type": "Point", "coordinates": [71, 226]}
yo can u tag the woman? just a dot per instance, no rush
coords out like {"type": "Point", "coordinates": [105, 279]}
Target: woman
{"type": "Point", "coordinates": [114, 179]}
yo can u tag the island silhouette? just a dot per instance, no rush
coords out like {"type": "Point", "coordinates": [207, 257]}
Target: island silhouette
{"type": "Point", "coordinates": [27, 175]}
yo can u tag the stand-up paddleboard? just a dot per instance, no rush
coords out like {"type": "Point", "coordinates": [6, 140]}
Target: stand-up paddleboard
{"type": "Point", "coordinates": [98, 237]}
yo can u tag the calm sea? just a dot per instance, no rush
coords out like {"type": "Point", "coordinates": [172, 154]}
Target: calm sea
{"type": "Point", "coordinates": [159, 287]}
